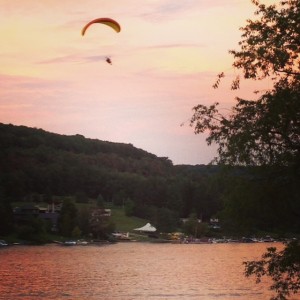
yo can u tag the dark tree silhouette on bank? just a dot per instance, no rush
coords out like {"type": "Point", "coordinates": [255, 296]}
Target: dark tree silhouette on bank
{"type": "Point", "coordinates": [265, 132]}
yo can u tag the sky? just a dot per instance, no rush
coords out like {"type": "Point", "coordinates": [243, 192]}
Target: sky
{"type": "Point", "coordinates": [164, 62]}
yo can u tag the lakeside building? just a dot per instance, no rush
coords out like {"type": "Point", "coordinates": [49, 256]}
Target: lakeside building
{"type": "Point", "coordinates": [24, 213]}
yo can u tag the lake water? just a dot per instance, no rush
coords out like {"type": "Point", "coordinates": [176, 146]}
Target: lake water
{"type": "Point", "coordinates": [130, 271]}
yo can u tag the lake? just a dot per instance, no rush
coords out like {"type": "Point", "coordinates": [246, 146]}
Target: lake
{"type": "Point", "coordinates": [130, 271]}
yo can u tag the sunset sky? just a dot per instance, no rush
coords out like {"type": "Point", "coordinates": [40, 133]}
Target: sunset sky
{"type": "Point", "coordinates": [165, 61]}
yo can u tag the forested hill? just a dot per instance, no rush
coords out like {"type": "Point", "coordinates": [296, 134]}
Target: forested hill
{"type": "Point", "coordinates": [34, 161]}
{"type": "Point", "coordinates": [41, 165]}
{"type": "Point", "coordinates": [28, 138]}
{"type": "Point", "coordinates": [38, 166]}
{"type": "Point", "coordinates": [44, 147]}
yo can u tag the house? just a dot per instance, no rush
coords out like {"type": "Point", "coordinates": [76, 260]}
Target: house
{"type": "Point", "coordinates": [25, 213]}
{"type": "Point", "coordinates": [184, 220]}
{"type": "Point", "coordinates": [100, 213]}
{"type": "Point", "coordinates": [214, 223]}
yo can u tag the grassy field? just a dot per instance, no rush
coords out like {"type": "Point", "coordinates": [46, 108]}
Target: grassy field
{"type": "Point", "coordinates": [124, 223]}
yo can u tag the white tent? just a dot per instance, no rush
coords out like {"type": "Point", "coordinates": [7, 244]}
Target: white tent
{"type": "Point", "coordinates": [147, 228]}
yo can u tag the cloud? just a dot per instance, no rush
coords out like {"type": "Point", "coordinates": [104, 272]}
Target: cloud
{"type": "Point", "coordinates": [170, 9]}
{"type": "Point", "coordinates": [73, 59]}
{"type": "Point", "coordinates": [12, 82]}
{"type": "Point", "coordinates": [167, 46]}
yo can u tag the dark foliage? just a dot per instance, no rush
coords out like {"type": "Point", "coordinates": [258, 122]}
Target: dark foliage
{"type": "Point", "coordinates": [145, 185]}
{"type": "Point", "coordinates": [37, 165]}
{"type": "Point", "coordinates": [283, 267]}
{"type": "Point", "coordinates": [264, 132]}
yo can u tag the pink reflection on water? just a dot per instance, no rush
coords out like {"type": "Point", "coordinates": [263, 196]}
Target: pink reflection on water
{"type": "Point", "coordinates": [130, 271]}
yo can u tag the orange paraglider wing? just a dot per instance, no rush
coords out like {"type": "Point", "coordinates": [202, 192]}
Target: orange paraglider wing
{"type": "Point", "coordinates": [107, 21]}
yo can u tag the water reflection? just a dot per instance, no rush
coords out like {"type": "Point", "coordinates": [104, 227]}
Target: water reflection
{"type": "Point", "coordinates": [130, 271]}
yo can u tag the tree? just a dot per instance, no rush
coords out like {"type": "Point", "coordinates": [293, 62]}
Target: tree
{"type": "Point", "coordinates": [129, 207]}
{"type": "Point", "coordinates": [266, 131]}
{"type": "Point", "coordinates": [283, 267]}
{"type": "Point", "coordinates": [262, 132]}
{"type": "Point", "coordinates": [165, 219]}
{"type": "Point", "coordinates": [68, 217]}
{"type": "Point", "coordinates": [255, 202]}
{"type": "Point", "coordinates": [193, 227]}
{"type": "Point", "coordinates": [6, 215]}
{"type": "Point", "coordinates": [33, 230]}
{"type": "Point", "coordinates": [83, 220]}
{"type": "Point", "coordinates": [76, 232]}
{"type": "Point", "coordinates": [270, 44]}
{"type": "Point", "coordinates": [100, 201]}
{"type": "Point", "coordinates": [100, 225]}
{"type": "Point", "coordinates": [81, 197]}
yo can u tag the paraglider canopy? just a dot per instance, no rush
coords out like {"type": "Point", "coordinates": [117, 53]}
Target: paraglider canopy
{"type": "Point", "coordinates": [107, 21]}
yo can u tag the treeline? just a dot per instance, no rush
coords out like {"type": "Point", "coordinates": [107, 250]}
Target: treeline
{"type": "Point", "coordinates": [38, 166]}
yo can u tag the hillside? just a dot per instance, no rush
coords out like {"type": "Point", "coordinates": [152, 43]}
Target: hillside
{"type": "Point", "coordinates": [63, 164]}
{"type": "Point", "coordinates": [110, 154]}
{"type": "Point", "coordinates": [37, 165]}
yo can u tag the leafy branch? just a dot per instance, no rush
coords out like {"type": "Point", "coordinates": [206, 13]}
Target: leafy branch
{"type": "Point", "coordinates": [283, 267]}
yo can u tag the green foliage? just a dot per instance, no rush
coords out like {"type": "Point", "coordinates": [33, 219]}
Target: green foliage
{"type": "Point", "coordinates": [100, 201]}
{"type": "Point", "coordinates": [261, 200]}
{"type": "Point", "coordinates": [6, 216]}
{"type": "Point", "coordinates": [68, 218]}
{"type": "Point", "coordinates": [33, 230]}
{"type": "Point", "coordinates": [76, 232]}
{"type": "Point", "coordinates": [270, 43]}
{"type": "Point", "coordinates": [43, 165]}
{"type": "Point", "coordinates": [165, 220]}
{"type": "Point", "coordinates": [129, 207]}
{"type": "Point", "coordinates": [81, 197]}
{"type": "Point", "coordinates": [194, 228]}
{"type": "Point", "coordinates": [283, 267]}
{"type": "Point", "coordinates": [36, 171]}
{"type": "Point", "coordinates": [261, 132]}
{"type": "Point", "coordinates": [264, 132]}
{"type": "Point", "coordinates": [69, 164]}
{"type": "Point", "coordinates": [124, 223]}
{"type": "Point", "coordinates": [101, 227]}
{"type": "Point", "coordinates": [83, 219]}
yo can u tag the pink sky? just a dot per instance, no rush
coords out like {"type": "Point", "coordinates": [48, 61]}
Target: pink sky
{"type": "Point", "coordinates": [165, 60]}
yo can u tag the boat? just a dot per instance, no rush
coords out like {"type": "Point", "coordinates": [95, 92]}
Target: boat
{"type": "Point", "coordinates": [267, 239]}
{"type": "Point", "coordinates": [121, 237]}
{"type": "Point", "coordinates": [3, 243]}
{"type": "Point", "coordinates": [69, 243]}
{"type": "Point", "coordinates": [82, 242]}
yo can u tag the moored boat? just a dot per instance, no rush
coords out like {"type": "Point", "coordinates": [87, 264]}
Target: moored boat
{"type": "Point", "coordinates": [69, 243]}
{"type": "Point", "coordinates": [3, 243]}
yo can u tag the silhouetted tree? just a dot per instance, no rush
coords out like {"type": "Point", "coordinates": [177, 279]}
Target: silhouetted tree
{"type": "Point", "coordinates": [6, 215]}
{"type": "Point", "coordinates": [283, 267]}
{"type": "Point", "coordinates": [67, 218]}
{"type": "Point", "coordinates": [265, 131]}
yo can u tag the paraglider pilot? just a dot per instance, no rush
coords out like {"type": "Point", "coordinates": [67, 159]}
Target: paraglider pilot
{"type": "Point", "coordinates": [108, 60]}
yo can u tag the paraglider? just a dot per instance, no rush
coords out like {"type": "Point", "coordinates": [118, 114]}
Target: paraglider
{"type": "Point", "coordinates": [108, 60]}
{"type": "Point", "coordinates": [107, 21]}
